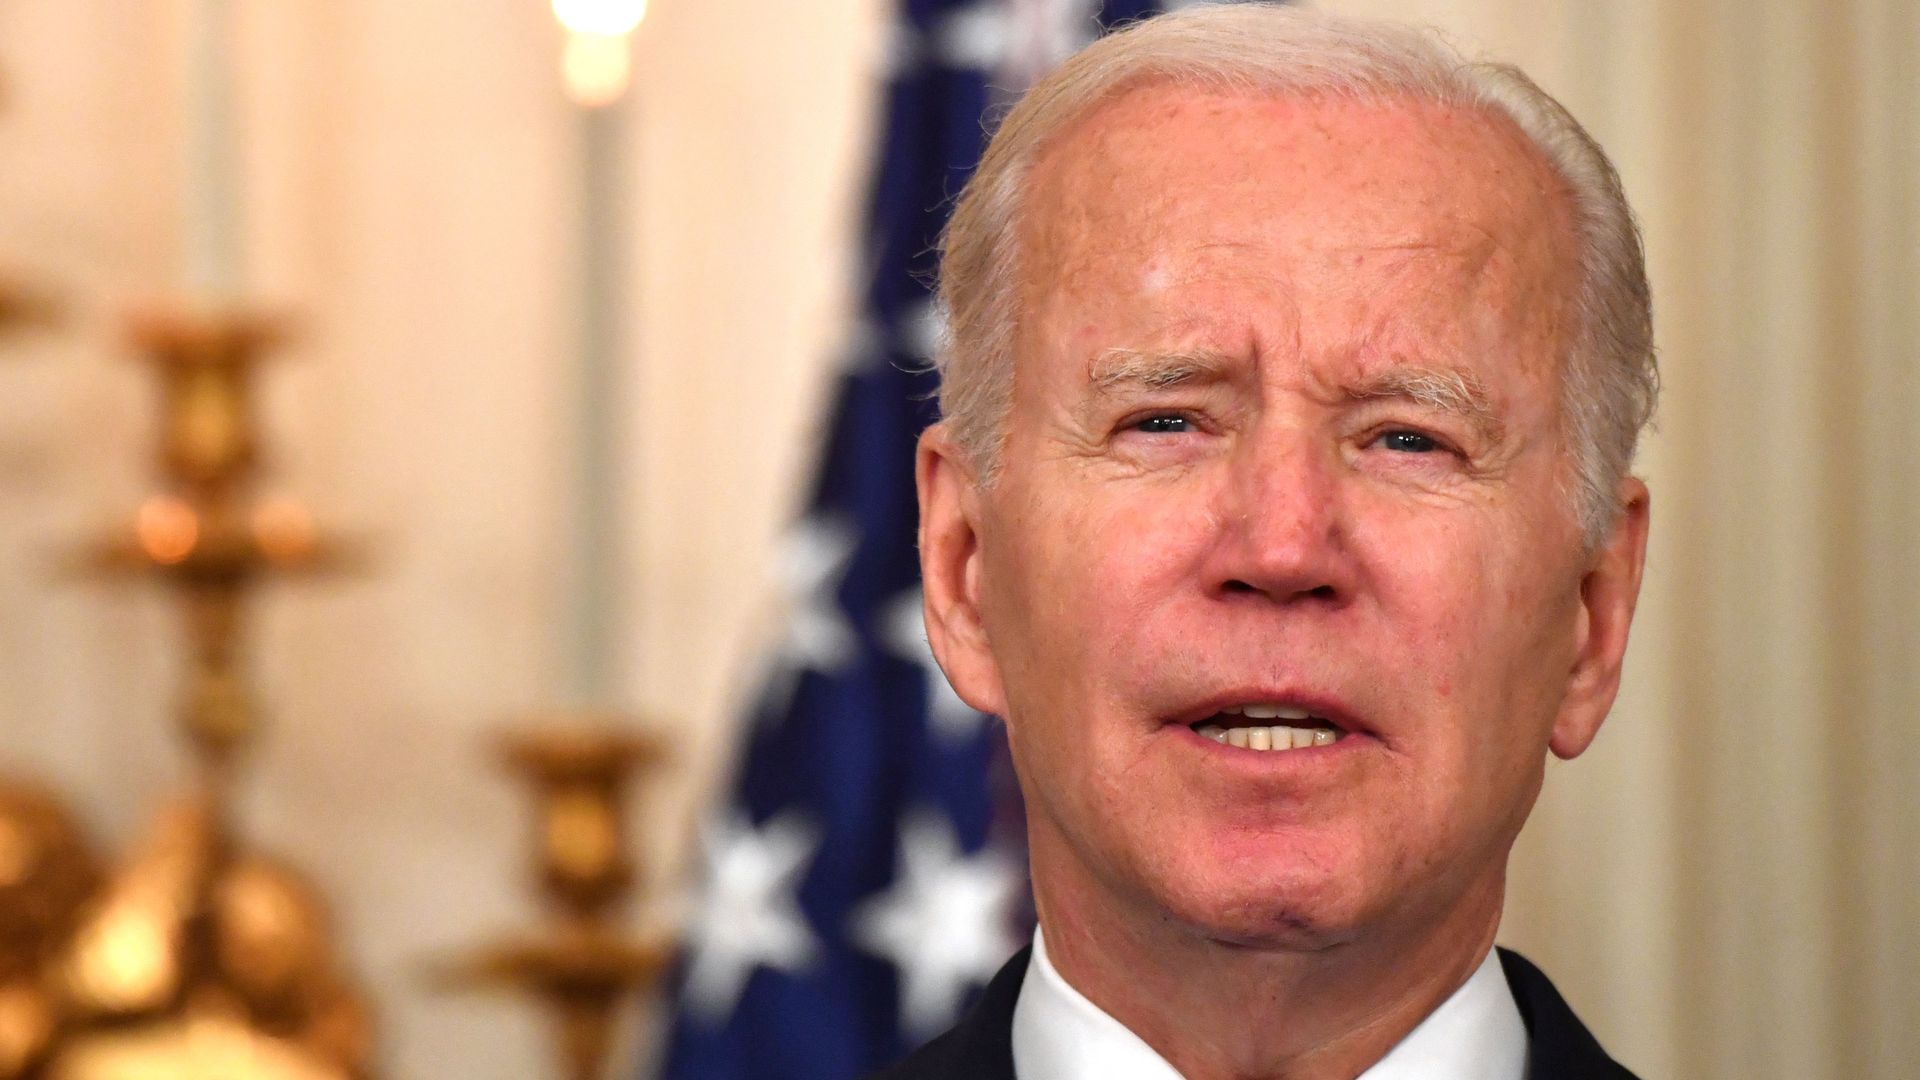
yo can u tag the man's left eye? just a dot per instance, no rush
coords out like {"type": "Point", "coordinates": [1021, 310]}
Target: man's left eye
{"type": "Point", "coordinates": [1409, 442]}
{"type": "Point", "coordinates": [1163, 425]}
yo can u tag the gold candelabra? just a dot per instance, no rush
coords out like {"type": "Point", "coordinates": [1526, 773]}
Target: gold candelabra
{"type": "Point", "coordinates": [208, 535]}
{"type": "Point", "coordinates": [582, 965]}
{"type": "Point", "coordinates": [198, 957]}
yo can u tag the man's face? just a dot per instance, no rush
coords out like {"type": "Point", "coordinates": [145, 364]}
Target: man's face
{"type": "Point", "coordinates": [1284, 435]}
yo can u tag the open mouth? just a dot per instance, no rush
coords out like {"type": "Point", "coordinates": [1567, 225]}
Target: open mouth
{"type": "Point", "coordinates": [1268, 727]}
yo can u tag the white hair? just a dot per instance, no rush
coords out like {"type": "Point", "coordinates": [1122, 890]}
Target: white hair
{"type": "Point", "coordinates": [1609, 375]}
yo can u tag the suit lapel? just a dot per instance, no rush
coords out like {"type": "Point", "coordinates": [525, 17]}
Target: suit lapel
{"type": "Point", "coordinates": [1559, 1046]}
{"type": "Point", "coordinates": [980, 1047]}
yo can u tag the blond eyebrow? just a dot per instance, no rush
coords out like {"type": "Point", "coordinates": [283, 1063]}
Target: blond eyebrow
{"type": "Point", "coordinates": [1114, 369]}
{"type": "Point", "coordinates": [1448, 390]}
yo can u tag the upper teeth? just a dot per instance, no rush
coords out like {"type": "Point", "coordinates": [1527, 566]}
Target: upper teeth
{"type": "Point", "coordinates": [1267, 712]}
{"type": "Point", "coordinates": [1270, 738]}
{"type": "Point", "coordinates": [1261, 737]}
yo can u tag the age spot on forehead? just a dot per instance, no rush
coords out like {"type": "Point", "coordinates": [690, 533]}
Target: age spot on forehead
{"type": "Point", "coordinates": [1156, 277]}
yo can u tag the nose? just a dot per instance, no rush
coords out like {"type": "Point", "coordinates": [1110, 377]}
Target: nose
{"type": "Point", "coordinates": [1282, 534]}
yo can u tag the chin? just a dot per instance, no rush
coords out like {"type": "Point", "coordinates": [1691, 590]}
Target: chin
{"type": "Point", "coordinates": [1266, 902]}
{"type": "Point", "coordinates": [1267, 921]}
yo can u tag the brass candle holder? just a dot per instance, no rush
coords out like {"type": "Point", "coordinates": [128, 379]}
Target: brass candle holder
{"type": "Point", "coordinates": [197, 957]}
{"type": "Point", "coordinates": [207, 535]}
{"type": "Point", "coordinates": [200, 956]}
{"type": "Point", "coordinates": [582, 965]}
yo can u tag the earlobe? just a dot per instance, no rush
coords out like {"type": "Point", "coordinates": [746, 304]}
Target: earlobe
{"type": "Point", "coordinates": [950, 571]}
{"type": "Point", "coordinates": [1608, 593]}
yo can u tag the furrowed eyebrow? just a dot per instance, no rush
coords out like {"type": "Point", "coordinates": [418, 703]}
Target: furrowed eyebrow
{"type": "Point", "coordinates": [1118, 369]}
{"type": "Point", "coordinates": [1449, 391]}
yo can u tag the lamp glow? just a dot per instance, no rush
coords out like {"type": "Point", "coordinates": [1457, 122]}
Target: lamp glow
{"type": "Point", "coordinates": [605, 18]}
{"type": "Point", "coordinates": [597, 64]}
{"type": "Point", "coordinates": [597, 68]}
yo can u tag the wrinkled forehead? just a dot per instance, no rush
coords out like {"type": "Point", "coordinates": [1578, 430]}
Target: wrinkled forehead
{"type": "Point", "coordinates": [1164, 180]}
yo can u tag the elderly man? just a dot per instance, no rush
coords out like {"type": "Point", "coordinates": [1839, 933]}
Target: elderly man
{"type": "Point", "coordinates": [1281, 508]}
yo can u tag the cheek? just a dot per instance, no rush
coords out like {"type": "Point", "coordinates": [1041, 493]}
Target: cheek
{"type": "Point", "coordinates": [1479, 608]}
{"type": "Point", "coordinates": [1138, 569]}
{"type": "Point", "coordinates": [1509, 640]}
{"type": "Point", "coordinates": [1434, 581]}
{"type": "Point", "coordinates": [1078, 604]}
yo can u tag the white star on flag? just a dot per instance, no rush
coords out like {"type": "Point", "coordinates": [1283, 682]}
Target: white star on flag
{"type": "Point", "coordinates": [975, 37]}
{"type": "Point", "coordinates": [921, 327]}
{"type": "Point", "coordinates": [947, 923]}
{"type": "Point", "coordinates": [748, 915]}
{"type": "Point", "coordinates": [813, 561]}
{"type": "Point", "coordinates": [1046, 32]}
{"type": "Point", "coordinates": [814, 557]}
{"type": "Point", "coordinates": [905, 628]}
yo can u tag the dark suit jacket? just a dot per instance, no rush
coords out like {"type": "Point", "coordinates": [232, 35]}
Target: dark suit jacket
{"type": "Point", "coordinates": [980, 1047]}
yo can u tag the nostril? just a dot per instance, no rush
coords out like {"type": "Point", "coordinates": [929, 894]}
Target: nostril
{"type": "Point", "coordinates": [1324, 592]}
{"type": "Point", "coordinates": [1240, 586]}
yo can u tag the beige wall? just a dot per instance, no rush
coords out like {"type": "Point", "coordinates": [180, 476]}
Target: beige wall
{"type": "Point", "coordinates": [1723, 885]}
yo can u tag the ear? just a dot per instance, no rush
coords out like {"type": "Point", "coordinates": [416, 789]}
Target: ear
{"type": "Point", "coordinates": [1608, 593]}
{"type": "Point", "coordinates": [950, 568]}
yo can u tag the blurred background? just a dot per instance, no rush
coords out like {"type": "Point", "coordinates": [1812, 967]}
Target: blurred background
{"type": "Point", "coordinates": [565, 507]}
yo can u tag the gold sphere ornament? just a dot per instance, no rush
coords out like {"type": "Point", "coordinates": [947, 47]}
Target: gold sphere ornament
{"type": "Point", "coordinates": [47, 870]}
{"type": "Point", "coordinates": [198, 959]}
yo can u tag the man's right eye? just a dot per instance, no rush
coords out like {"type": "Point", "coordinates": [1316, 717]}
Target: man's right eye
{"type": "Point", "coordinates": [1163, 425]}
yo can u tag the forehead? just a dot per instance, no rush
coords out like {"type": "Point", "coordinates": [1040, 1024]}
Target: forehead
{"type": "Point", "coordinates": [1316, 207]}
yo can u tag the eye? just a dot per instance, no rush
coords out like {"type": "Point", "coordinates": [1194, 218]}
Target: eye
{"type": "Point", "coordinates": [1163, 425]}
{"type": "Point", "coordinates": [1409, 442]}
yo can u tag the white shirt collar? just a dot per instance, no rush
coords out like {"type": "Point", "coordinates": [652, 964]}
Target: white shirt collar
{"type": "Point", "coordinates": [1476, 1034]}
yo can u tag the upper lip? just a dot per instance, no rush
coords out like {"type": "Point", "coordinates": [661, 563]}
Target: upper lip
{"type": "Point", "coordinates": [1318, 704]}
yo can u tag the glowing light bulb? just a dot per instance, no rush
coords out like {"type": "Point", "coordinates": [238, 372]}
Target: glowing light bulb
{"type": "Point", "coordinates": [606, 18]}
{"type": "Point", "coordinates": [597, 64]}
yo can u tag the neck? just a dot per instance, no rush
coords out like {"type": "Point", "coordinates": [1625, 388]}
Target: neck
{"type": "Point", "coordinates": [1224, 1011]}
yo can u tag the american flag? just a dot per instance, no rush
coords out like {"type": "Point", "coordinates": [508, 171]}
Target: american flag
{"type": "Point", "coordinates": [866, 877]}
